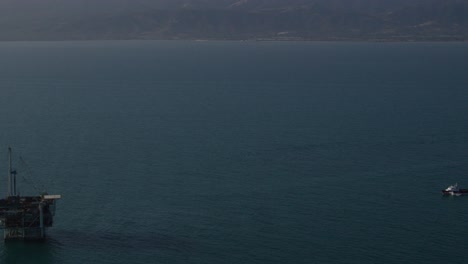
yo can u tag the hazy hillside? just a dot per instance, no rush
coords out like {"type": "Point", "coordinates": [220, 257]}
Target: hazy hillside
{"type": "Point", "coordinates": [234, 19]}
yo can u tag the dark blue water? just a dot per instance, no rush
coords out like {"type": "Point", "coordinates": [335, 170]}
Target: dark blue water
{"type": "Point", "coordinates": [239, 152]}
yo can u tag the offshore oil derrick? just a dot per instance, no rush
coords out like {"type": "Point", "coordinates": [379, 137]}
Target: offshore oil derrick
{"type": "Point", "coordinates": [25, 217]}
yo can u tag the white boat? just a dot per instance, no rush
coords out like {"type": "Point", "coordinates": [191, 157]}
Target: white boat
{"type": "Point", "coordinates": [454, 190]}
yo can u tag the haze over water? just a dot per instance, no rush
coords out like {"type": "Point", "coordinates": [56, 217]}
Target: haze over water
{"type": "Point", "coordinates": [239, 152]}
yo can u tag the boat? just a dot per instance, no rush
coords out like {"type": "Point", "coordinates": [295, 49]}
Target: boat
{"type": "Point", "coordinates": [454, 190]}
{"type": "Point", "coordinates": [25, 217]}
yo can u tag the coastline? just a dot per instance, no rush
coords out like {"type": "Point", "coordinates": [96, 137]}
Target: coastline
{"type": "Point", "coordinates": [337, 40]}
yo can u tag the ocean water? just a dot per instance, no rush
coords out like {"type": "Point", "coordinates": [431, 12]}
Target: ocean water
{"type": "Point", "coordinates": [239, 152]}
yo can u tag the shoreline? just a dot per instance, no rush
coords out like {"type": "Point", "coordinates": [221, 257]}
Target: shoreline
{"type": "Point", "coordinates": [350, 40]}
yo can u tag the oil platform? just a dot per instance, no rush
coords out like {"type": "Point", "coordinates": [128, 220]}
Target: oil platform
{"type": "Point", "coordinates": [25, 217]}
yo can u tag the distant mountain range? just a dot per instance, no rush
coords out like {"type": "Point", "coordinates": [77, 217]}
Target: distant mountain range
{"type": "Point", "coordinates": [376, 20]}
